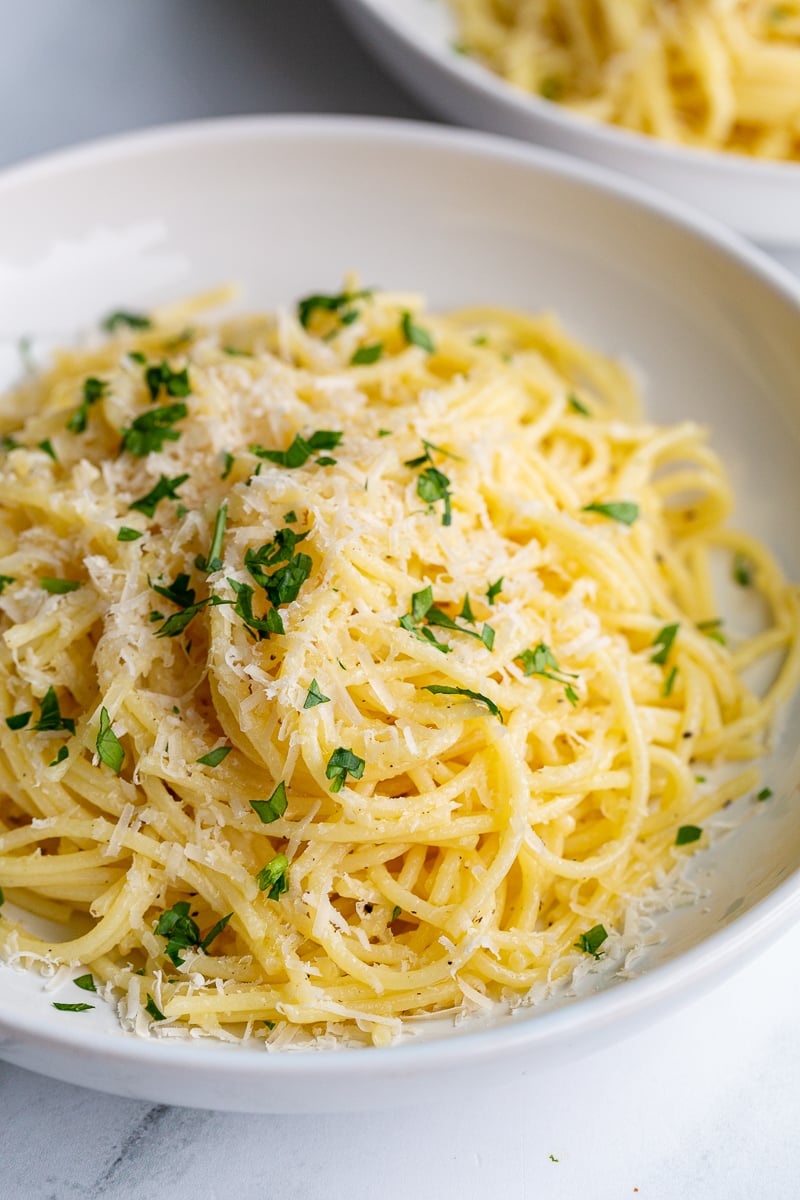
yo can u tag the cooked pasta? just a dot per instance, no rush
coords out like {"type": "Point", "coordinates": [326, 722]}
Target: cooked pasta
{"type": "Point", "coordinates": [718, 74]}
{"type": "Point", "coordinates": [357, 664]}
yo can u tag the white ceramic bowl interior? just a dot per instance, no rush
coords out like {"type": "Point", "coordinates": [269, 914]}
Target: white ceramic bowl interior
{"type": "Point", "coordinates": [287, 206]}
{"type": "Point", "coordinates": [414, 40]}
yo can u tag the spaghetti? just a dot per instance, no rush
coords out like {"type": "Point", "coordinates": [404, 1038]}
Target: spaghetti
{"type": "Point", "coordinates": [356, 663]}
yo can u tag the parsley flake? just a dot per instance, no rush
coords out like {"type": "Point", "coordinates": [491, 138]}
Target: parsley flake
{"type": "Point", "coordinates": [227, 464]}
{"type": "Point", "coordinates": [153, 1009]}
{"type": "Point", "coordinates": [713, 629]}
{"type": "Point", "coordinates": [669, 682]}
{"type": "Point", "coordinates": [315, 696]}
{"type": "Point", "coordinates": [301, 449]}
{"type": "Point", "coordinates": [270, 810]}
{"type": "Point", "coordinates": [18, 720]}
{"type": "Point", "coordinates": [123, 319]}
{"type": "Point", "coordinates": [4, 581]}
{"type": "Point", "coordinates": [50, 718]}
{"type": "Point", "coordinates": [85, 983]}
{"type": "Point", "coordinates": [433, 485]}
{"type": "Point", "coordinates": [623, 511]}
{"type": "Point", "coordinates": [165, 489]}
{"type": "Point", "coordinates": [80, 1007]}
{"type": "Point", "coordinates": [274, 877]}
{"type": "Point", "coordinates": [182, 932]}
{"type": "Point", "coordinates": [93, 390]}
{"type": "Point", "coordinates": [591, 941]}
{"type": "Point", "coordinates": [764, 794]}
{"type": "Point", "coordinates": [215, 757]}
{"type": "Point", "coordinates": [213, 562]}
{"type": "Point", "coordinates": [148, 432]}
{"type": "Point", "coordinates": [494, 590]}
{"type": "Point", "coordinates": [742, 570]}
{"type": "Point", "coordinates": [63, 753]}
{"type": "Point", "coordinates": [258, 627]}
{"type": "Point", "coordinates": [126, 534]}
{"type": "Point", "coordinates": [415, 335]}
{"type": "Point", "coordinates": [396, 911]}
{"type": "Point", "coordinates": [542, 661]}
{"type": "Point", "coordinates": [175, 383]}
{"type": "Point", "coordinates": [687, 834]}
{"type": "Point", "coordinates": [442, 690]}
{"type": "Point", "coordinates": [108, 745]}
{"type": "Point", "coordinates": [47, 447]}
{"type": "Point", "coordinates": [664, 639]}
{"type": "Point", "coordinates": [322, 303]}
{"type": "Point", "coordinates": [59, 587]}
{"type": "Point", "coordinates": [366, 355]}
{"type": "Point", "coordinates": [341, 764]}
{"type": "Point", "coordinates": [577, 405]}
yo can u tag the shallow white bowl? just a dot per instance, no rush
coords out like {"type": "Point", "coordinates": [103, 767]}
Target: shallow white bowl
{"type": "Point", "coordinates": [285, 206]}
{"type": "Point", "coordinates": [414, 39]}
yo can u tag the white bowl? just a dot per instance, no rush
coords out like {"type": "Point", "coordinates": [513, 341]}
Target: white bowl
{"type": "Point", "coordinates": [286, 206]}
{"type": "Point", "coordinates": [414, 39]}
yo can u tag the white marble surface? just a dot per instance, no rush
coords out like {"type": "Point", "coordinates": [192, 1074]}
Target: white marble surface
{"type": "Point", "coordinates": [704, 1105]}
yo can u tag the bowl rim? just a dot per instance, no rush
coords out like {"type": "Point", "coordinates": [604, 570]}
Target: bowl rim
{"type": "Point", "coordinates": [613, 138]}
{"type": "Point", "coordinates": [673, 982]}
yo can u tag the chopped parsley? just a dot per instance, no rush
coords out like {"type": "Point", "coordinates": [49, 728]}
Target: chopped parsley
{"type": "Point", "coordinates": [315, 696]}
{"type": "Point", "coordinates": [4, 581]}
{"type": "Point", "coordinates": [764, 794]}
{"type": "Point", "coordinates": [542, 661]}
{"type": "Point", "coordinates": [382, 433]}
{"type": "Point", "coordinates": [396, 911]}
{"type": "Point", "coordinates": [443, 690]}
{"type": "Point", "coordinates": [591, 941]}
{"type": "Point", "coordinates": [274, 877]}
{"type": "Point", "coordinates": [257, 627]}
{"type": "Point", "coordinates": [148, 432]}
{"type": "Point", "coordinates": [227, 464]}
{"type": "Point", "coordinates": [301, 449]}
{"type": "Point", "coordinates": [290, 517]}
{"type": "Point", "coordinates": [341, 764]}
{"type": "Point", "coordinates": [215, 757]}
{"type": "Point", "coordinates": [126, 534]}
{"type": "Point", "coordinates": [282, 585]}
{"type": "Point", "coordinates": [59, 758]}
{"type": "Point", "coordinates": [687, 834]}
{"type": "Point", "coordinates": [433, 485]}
{"type": "Point", "coordinates": [494, 590]}
{"type": "Point", "coordinates": [742, 570]}
{"type": "Point", "coordinates": [577, 405]}
{"type": "Point", "coordinates": [153, 1009]}
{"type": "Point", "coordinates": [366, 355]}
{"type": "Point", "coordinates": [59, 587]}
{"type": "Point", "coordinates": [126, 320]}
{"type": "Point", "coordinates": [108, 745]}
{"type": "Point", "coordinates": [213, 562]}
{"type": "Point", "coordinates": [713, 629]}
{"type": "Point", "coordinates": [85, 983]}
{"type": "Point", "coordinates": [331, 304]}
{"type": "Point", "coordinates": [182, 932]}
{"type": "Point", "coordinates": [93, 390]}
{"type": "Point", "coordinates": [664, 639]}
{"type": "Point", "coordinates": [424, 609]}
{"type": "Point", "coordinates": [466, 613]}
{"type": "Point", "coordinates": [623, 511]}
{"type": "Point", "coordinates": [50, 718]}
{"type": "Point", "coordinates": [669, 682]}
{"type": "Point", "coordinates": [270, 810]}
{"type": "Point", "coordinates": [415, 335]}
{"type": "Point", "coordinates": [80, 1007]}
{"type": "Point", "coordinates": [47, 447]}
{"type": "Point", "coordinates": [177, 591]}
{"type": "Point", "coordinates": [9, 443]}
{"type": "Point", "coordinates": [165, 489]}
{"type": "Point", "coordinates": [19, 720]}
{"type": "Point", "coordinates": [175, 383]}
{"type": "Point", "coordinates": [176, 624]}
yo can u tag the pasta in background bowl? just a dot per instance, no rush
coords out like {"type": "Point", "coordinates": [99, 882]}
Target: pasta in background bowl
{"type": "Point", "coordinates": [702, 100]}
{"type": "Point", "coordinates": [526, 237]}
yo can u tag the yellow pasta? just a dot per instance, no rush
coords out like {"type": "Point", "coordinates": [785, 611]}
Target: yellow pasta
{"type": "Point", "coordinates": [717, 74]}
{"type": "Point", "coordinates": [357, 664]}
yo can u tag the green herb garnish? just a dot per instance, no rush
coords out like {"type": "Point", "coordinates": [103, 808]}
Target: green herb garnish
{"type": "Point", "coordinates": [215, 757]}
{"type": "Point", "coordinates": [396, 911]}
{"type": "Point", "coordinates": [669, 682]}
{"type": "Point", "coordinates": [366, 355]}
{"type": "Point", "coordinates": [687, 834]}
{"type": "Point", "coordinates": [274, 877]}
{"type": "Point", "coordinates": [47, 447]}
{"type": "Point", "coordinates": [270, 810]}
{"type": "Point", "coordinates": [494, 590]}
{"type": "Point", "coordinates": [19, 720]}
{"type": "Point", "coordinates": [59, 758]}
{"type": "Point", "coordinates": [213, 562]}
{"type": "Point", "coordinates": [175, 383]}
{"type": "Point", "coordinates": [93, 390]}
{"type": "Point", "coordinates": [624, 511]}
{"type": "Point", "coordinates": [591, 941]}
{"type": "Point", "coordinates": [315, 696]}
{"type": "Point", "coordinates": [153, 1009]}
{"type": "Point", "coordinates": [227, 464]}
{"type": "Point", "coordinates": [664, 639]}
{"type": "Point", "coordinates": [4, 581]}
{"type": "Point", "coordinates": [323, 303]}
{"type": "Point", "coordinates": [542, 661]}
{"type": "Point", "coordinates": [126, 534]}
{"type": "Point", "coordinates": [742, 570]}
{"type": "Point", "coordinates": [341, 764]}
{"type": "Point", "coordinates": [434, 485]}
{"type": "Point", "coordinates": [182, 932]}
{"type": "Point", "coordinates": [713, 629]}
{"type": "Point", "coordinates": [59, 587]}
{"type": "Point", "coordinates": [416, 335]}
{"type": "Point", "coordinates": [85, 983]}
{"type": "Point", "coordinates": [764, 794]}
{"type": "Point", "coordinates": [108, 745]}
{"type": "Point", "coordinates": [165, 489]}
{"type": "Point", "coordinates": [148, 432]}
{"type": "Point", "coordinates": [129, 320]}
{"type": "Point", "coordinates": [443, 690]}
{"type": "Point", "coordinates": [80, 1007]}
{"type": "Point", "coordinates": [301, 449]}
{"type": "Point", "coordinates": [258, 627]}
{"type": "Point", "coordinates": [577, 405]}
{"type": "Point", "coordinates": [50, 718]}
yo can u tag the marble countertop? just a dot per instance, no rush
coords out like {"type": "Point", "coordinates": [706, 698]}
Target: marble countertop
{"type": "Point", "coordinates": [703, 1105]}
